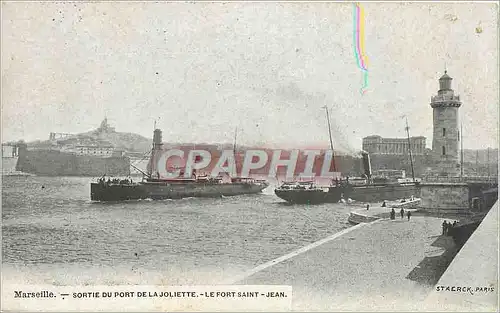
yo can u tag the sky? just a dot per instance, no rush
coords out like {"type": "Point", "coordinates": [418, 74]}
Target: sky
{"type": "Point", "coordinates": [202, 69]}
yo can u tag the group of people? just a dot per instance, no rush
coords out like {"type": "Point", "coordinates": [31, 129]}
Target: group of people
{"type": "Point", "coordinates": [447, 226]}
{"type": "Point", "coordinates": [393, 212]}
{"type": "Point", "coordinates": [103, 181]}
{"type": "Point", "coordinates": [401, 212]}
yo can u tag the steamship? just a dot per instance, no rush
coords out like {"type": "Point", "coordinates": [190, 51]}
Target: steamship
{"type": "Point", "coordinates": [309, 192]}
{"type": "Point", "coordinates": [157, 188]}
{"type": "Point", "coordinates": [363, 189]}
{"type": "Point", "coordinates": [376, 189]}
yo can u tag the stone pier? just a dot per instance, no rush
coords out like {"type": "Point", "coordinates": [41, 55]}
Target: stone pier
{"type": "Point", "coordinates": [456, 195]}
{"type": "Point", "coordinates": [444, 197]}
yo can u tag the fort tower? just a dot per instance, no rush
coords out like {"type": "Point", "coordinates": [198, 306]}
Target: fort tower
{"type": "Point", "coordinates": [446, 133]}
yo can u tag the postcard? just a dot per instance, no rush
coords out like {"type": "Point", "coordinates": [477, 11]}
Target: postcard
{"type": "Point", "coordinates": [249, 156]}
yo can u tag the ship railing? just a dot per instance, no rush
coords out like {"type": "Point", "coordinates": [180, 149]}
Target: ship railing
{"type": "Point", "coordinates": [444, 98]}
{"type": "Point", "coordinates": [115, 181]}
{"type": "Point", "coordinates": [248, 180]}
{"type": "Point", "coordinates": [299, 186]}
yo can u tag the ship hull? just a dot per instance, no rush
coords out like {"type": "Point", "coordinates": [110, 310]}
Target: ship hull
{"type": "Point", "coordinates": [373, 193]}
{"type": "Point", "coordinates": [333, 195]}
{"type": "Point", "coordinates": [101, 192]}
{"type": "Point", "coordinates": [117, 192]}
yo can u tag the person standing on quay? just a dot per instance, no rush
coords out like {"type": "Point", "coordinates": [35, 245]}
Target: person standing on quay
{"type": "Point", "coordinates": [408, 214]}
{"type": "Point", "coordinates": [402, 212]}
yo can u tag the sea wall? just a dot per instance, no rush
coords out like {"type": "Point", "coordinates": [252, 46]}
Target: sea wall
{"type": "Point", "coordinates": [475, 266]}
{"type": "Point", "coordinates": [56, 163]}
{"type": "Point", "coordinates": [444, 197]}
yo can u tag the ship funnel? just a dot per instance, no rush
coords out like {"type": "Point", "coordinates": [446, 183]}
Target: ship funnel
{"type": "Point", "coordinates": [157, 140]}
{"type": "Point", "coordinates": [367, 164]}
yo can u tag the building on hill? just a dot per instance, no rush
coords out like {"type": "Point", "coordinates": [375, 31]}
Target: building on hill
{"type": "Point", "coordinates": [393, 146]}
{"type": "Point", "coordinates": [56, 136]}
{"type": "Point", "coordinates": [9, 150]}
{"type": "Point", "coordinates": [393, 154]}
{"type": "Point", "coordinates": [105, 127]}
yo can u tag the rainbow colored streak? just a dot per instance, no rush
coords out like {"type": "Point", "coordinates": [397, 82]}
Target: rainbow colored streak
{"type": "Point", "coordinates": [359, 44]}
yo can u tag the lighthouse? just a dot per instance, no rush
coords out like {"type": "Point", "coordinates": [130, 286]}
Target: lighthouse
{"type": "Point", "coordinates": [446, 133]}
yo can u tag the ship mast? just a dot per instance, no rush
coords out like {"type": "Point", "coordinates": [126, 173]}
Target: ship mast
{"type": "Point", "coordinates": [157, 145]}
{"type": "Point", "coordinates": [234, 150]}
{"type": "Point", "coordinates": [409, 149]}
{"type": "Point", "coordinates": [152, 159]}
{"type": "Point", "coordinates": [234, 144]}
{"type": "Point", "coordinates": [488, 161]}
{"type": "Point", "coordinates": [461, 151]}
{"type": "Point", "coordinates": [330, 134]}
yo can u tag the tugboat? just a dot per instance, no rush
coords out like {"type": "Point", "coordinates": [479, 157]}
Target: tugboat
{"type": "Point", "coordinates": [362, 189]}
{"type": "Point", "coordinates": [376, 189]}
{"type": "Point", "coordinates": [157, 188]}
{"type": "Point", "coordinates": [308, 192]}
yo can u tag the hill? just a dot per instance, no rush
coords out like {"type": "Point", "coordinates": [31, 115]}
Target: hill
{"type": "Point", "coordinates": [102, 136]}
{"type": "Point", "coordinates": [133, 144]}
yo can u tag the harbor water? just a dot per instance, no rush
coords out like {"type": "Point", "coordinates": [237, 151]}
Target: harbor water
{"type": "Point", "coordinates": [54, 234]}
